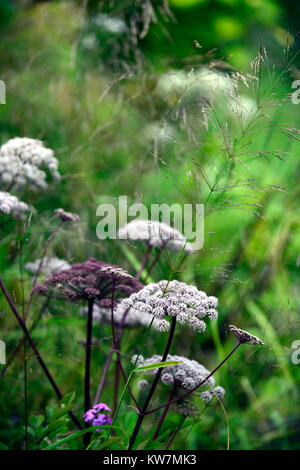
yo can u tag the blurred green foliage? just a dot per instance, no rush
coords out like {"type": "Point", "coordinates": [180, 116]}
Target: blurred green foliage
{"type": "Point", "coordinates": [92, 94]}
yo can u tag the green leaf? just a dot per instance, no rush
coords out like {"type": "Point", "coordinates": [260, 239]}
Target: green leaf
{"type": "Point", "coordinates": [68, 399]}
{"type": "Point", "coordinates": [51, 428]}
{"type": "Point", "coordinates": [112, 441]}
{"type": "Point", "coordinates": [36, 421]}
{"type": "Point", "coordinates": [157, 365]}
{"type": "Point", "coordinates": [50, 410]}
{"type": "Point", "coordinates": [64, 410]}
{"type": "Point", "coordinates": [3, 446]}
{"type": "Point", "coordinates": [80, 433]}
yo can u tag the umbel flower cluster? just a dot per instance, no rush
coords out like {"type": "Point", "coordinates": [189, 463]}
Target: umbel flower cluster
{"type": "Point", "coordinates": [186, 375]}
{"type": "Point", "coordinates": [23, 161]}
{"type": "Point", "coordinates": [189, 408]}
{"type": "Point", "coordinates": [155, 233]}
{"type": "Point", "coordinates": [98, 415]}
{"type": "Point", "coordinates": [11, 204]}
{"type": "Point", "coordinates": [91, 280]}
{"type": "Point", "coordinates": [50, 265]}
{"type": "Point", "coordinates": [133, 318]}
{"type": "Point", "coordinates": [175, 299]}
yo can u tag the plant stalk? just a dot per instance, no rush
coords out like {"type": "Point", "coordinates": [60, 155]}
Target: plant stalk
{"type": "Point", "coordinates": [87, 376]}
{"type": "Point", "coordinates": [197, 386]}
{"type": "Point", "coordinates": [143, 411]}
{"type": "Point", "coordinates": [143, 263]}
{"type": "Point", "coordinates": [35, 349]}
{"type": "Point", "coordinates": [164, 413]}
{"type": "Point", "coordinates": [174, 434]}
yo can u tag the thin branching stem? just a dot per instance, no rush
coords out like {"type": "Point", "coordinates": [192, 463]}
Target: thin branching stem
{"type": "Point", "coordinates": [40, 266]}
{"type": "Point", "coordinates": [35, 350]}
{"type": "Point", "coordinates": [174, 433]}
{"type": "Point", "coordinates": [164, 413]}
{"type": "Point", "coordinates": [197, 386]}
{"type": "Point", "coordinates": [143, 411]}
{"type": "Point", "coordinates": [144, 262]}
{"type": "Point", "coordinates": [116, 342]}
{"type": "Point", "coordinates": [87, 375]}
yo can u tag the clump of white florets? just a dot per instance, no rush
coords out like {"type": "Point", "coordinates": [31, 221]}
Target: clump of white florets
{"type": "Point", "coordinates": [186, 375]}
{"type": "Point", "coordinates": [155, 234]}
{"type": "Point", "coordinates": [208, 395]}
{"type": "Point", "coordinates": [175, 299]}
{"type": "Point", "coordinates": [22, 161]}
{"type": "Point", "coordinates": [133, 317]}
{"type": "Point", "coordinates": [11, 204]}
{"type": "Point", "coordinates": [188, 408]}
{"type": "Point", "coordinates": [143, 384]}
{"type": "Point", "coordinates": [50, 265]}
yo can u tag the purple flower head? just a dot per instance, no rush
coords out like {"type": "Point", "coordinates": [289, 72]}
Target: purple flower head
{"type": "Point", "coordinates": [67, 216]}
{"type": "Point", "coordinates": [101, 420]}
{"type": "Point", "coordinates": [95, 418]}
{"type": "Point", "coordinates": [89, 415]}
{"type": "Point", "coordinates": [101, 407]}
{"type": "Point", "coordinates": [92, 279]}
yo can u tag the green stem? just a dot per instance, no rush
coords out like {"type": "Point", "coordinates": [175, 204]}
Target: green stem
{"type": "Point", "coordinates": [143, 411]}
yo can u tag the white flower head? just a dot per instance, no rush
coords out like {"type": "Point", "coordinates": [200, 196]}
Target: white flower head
{"type": "Point", "coordinates": [219, 391]}
{"type": "Point", "coordinates": [10, 204]}
{"type": "Point", "coordinates": [206, 396]}
{"type": "Point", "coordinates": [133, 318]}
{"type": "Point", "coordinates": [176, 299]}
{"type": "Point", "coordinates": [50, 265]}
{"type": "Point", "coordinates": [112, 24]}
{"type": "Point", "coordinates": [155, 233]}
{"type": "Point", "coordinates": [142, 384]}
{"type": "Point", "coordinates": [186, 375]}
{"type": "Point", "coordinates": [201, 81]}
{"type": "Point", "coordinates": [23, 161]}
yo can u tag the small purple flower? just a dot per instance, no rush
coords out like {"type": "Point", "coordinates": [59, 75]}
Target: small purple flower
{"type": "Point", "coordinates": [101, 407]}
{"type": "Point", "coordinates": [95, 418]}
{"type": "Point", "coordinates": [89, 415]}
{"type": "Point", "coordinates": [101, 420]}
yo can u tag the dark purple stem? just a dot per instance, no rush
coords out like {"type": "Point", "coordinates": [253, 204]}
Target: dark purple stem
{"type": "Point", "coordinates": [35, 350]}
{"type": "Point", "coordinates": [174, 434]}
{"type": "Point", "coordinates": [143, 411]}
{"type": "Point", "coordinates": [104, 375]}
{"type": "Point", "coordinates": [119, 333]}
{"type": "Point", "coordinates": [116, 343]}
{"type": "Point", "coordinates": [41, 265]}
{"type": "Point", "coordinates": [21, 341]}
{"type": "Point", "coordinates": [164, 414]}
{"type": "Point", "coordinates": [109, 358]}
{"type": "Point", "coordinates": [143, 263]}
{"type": "Point", "coordinates": [88, 355]}
{"type": "Point", "coordinates": [116, 387]}
{"type": "Point", "coordinates": [154, 261]}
